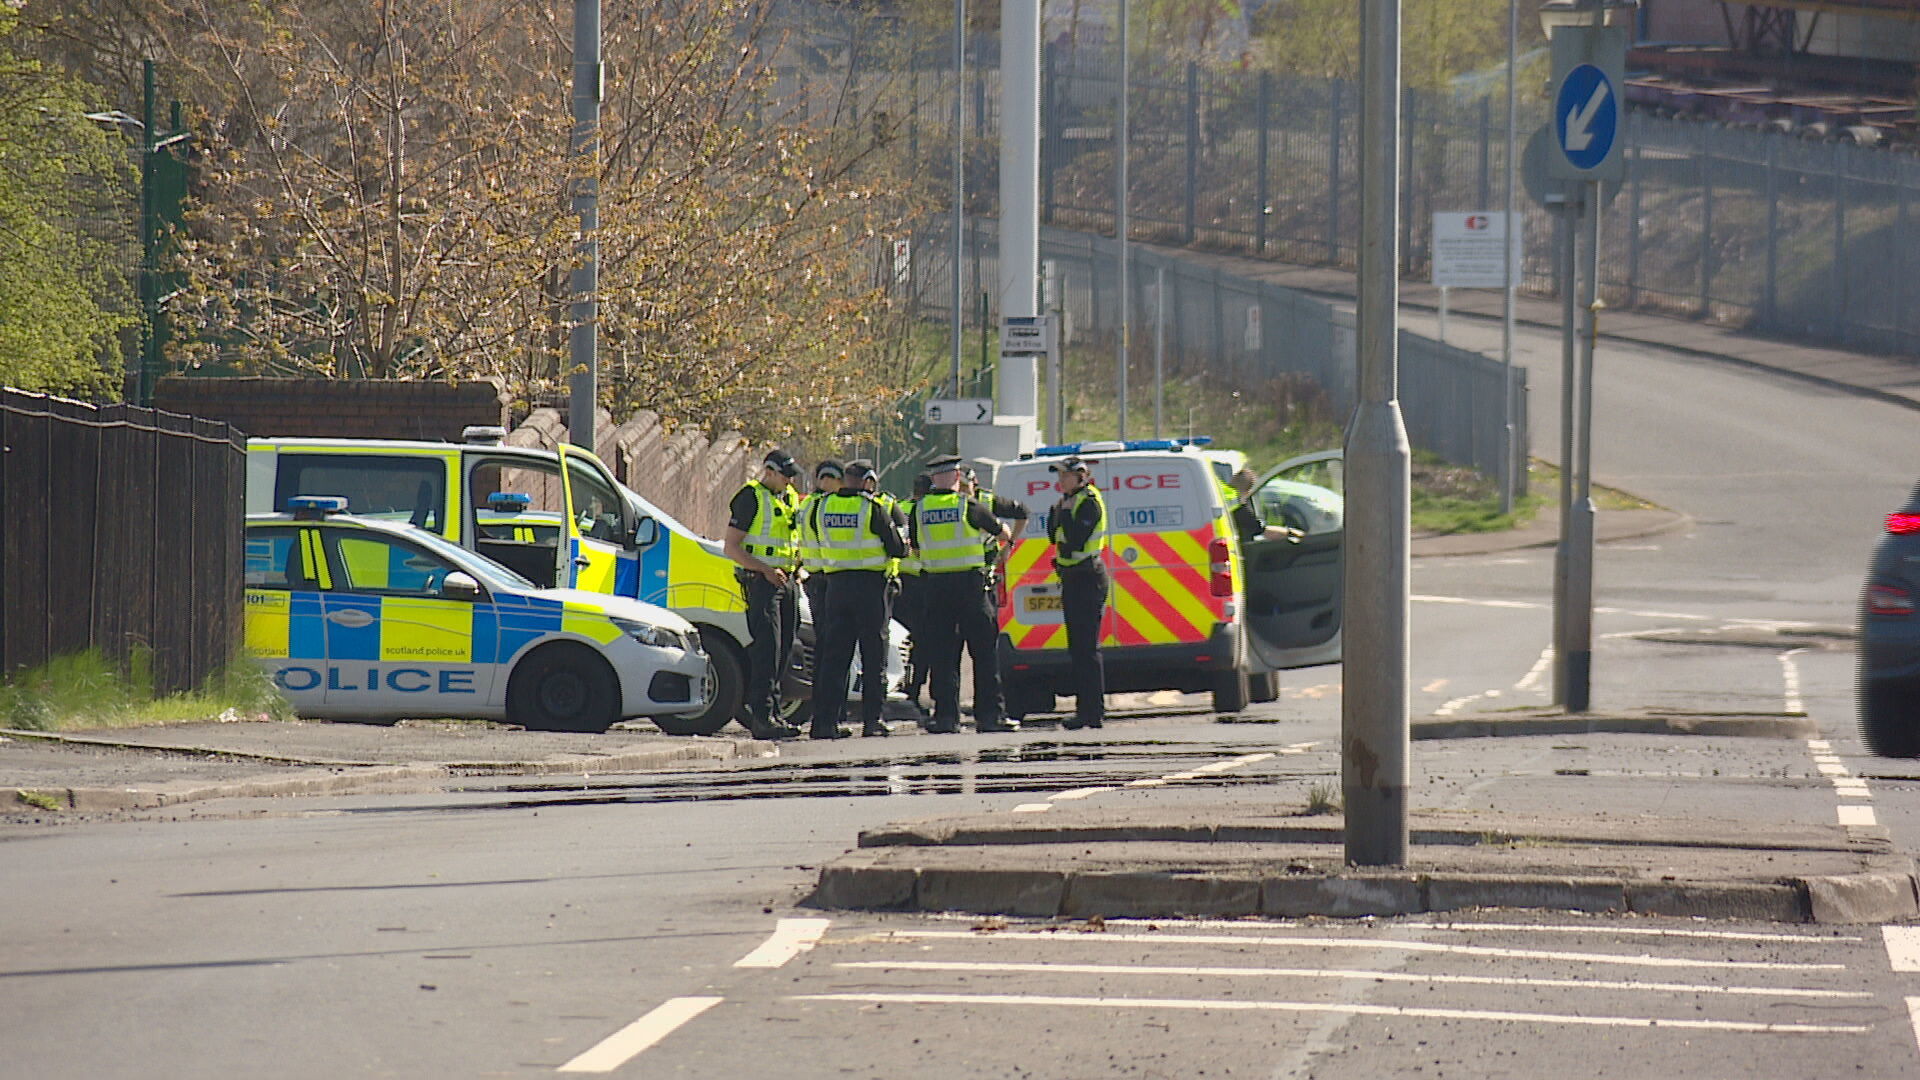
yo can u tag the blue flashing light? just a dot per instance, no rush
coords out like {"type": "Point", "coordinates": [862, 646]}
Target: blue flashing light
{"type": "Point", "coordinates": [1196, 440]}
{"type": "Point", "coordinates": [1152, 444]}
{"type": "Point", "coordinates": [509, 502]}
{"type": "Point", "coordinates": [1058, 450]}
{"type": "Point", "coordinates": [317, 506]}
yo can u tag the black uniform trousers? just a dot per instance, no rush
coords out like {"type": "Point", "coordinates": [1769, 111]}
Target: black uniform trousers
{"type": "Point", "coordinates": [1083, 595]}
{"type": "Point", "coordinates": [773, 617]}
{"type": "Point", "coordinates": [910, 611]}
{"type": "Point", "coordinates": [956, 610]}
{"type": "Point", "coordinates": [855, 616]}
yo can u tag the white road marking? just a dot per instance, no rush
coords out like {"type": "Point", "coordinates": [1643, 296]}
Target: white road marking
{"type": "Point", "coordinates": [1819, 746]}
{"type": "Point", "coordinates": [1299, 747]}
{"type": "Point", "coordinates": [1348, 1008]}
{"type": "Point", "coordinates": [1790, 675]}
{"type": "Point", "coordinates": [1831, 759]}
{"type": "Point", "coordinates": [1913, 1015]}
{"type": "Point", "coordinates": [1181, 776]}
{"type": "Point", "coordinates": [1539, 668]}
{"type": "Point", "coordinates": [622, 1046]}
{"type": "Point", "coordinates": [1903, 947]}
{"type": "Point", "coordinates": [1857, 815]}
{"type": "Point", "coordinates": [1435, 686]}
{"type": "Point", "coordinates": [1336, 973]}
{"type": "Point", "coordinates": [1357, 943]}
{"type": "Point", "coordinates": [790, 938]}
{"type": "Point", "coordinates": [1851, 788]}
{"type": "Point", "coordinates": [1032, 807]}
{"type": "Point", "coordinates": [1453, 706]}
{"type": "Point", "coordinates": [1827, 768]}
{"type": "Point", "coordinates": [1642, 931]}
{"type": "Point", "coordinates": [1151, 781]}
{"type": "Point", "coordinates": [1076, 793]}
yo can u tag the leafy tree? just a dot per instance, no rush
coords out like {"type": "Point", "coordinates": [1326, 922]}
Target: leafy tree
{"type": "Point", "coordinates": [66, 253]}
{"type": "Point", "coordinates": [1439, 39]}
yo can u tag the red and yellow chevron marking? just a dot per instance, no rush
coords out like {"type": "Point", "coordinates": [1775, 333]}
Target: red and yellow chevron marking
{"type": "Point", "coordinates": [1159, 596]}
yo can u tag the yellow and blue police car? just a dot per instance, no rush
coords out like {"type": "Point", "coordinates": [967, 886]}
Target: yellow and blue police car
{"type": "Point", "coordinates": [369, 619]}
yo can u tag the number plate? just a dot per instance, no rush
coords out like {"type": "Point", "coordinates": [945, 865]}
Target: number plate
{"type": "Point", "coordinates": [1150, 517]}
{"type": "Point", "coordinates": [1045, 603]}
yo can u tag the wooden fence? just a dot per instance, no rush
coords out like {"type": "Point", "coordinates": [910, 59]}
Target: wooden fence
{"type": "Point", "coordinates": [120, 530]}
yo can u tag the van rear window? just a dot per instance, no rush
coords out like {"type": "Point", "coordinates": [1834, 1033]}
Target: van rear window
{"type": "Point", "coordinates": [1144, 494]}
{"type": "Point", "coordinates": [410, 489]}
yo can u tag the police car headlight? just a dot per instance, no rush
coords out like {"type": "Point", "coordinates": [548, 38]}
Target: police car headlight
{"type": "Point", "coordinates": [648, 634]}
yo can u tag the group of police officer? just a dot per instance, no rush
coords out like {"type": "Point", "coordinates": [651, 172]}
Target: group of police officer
{"type": "Point", "coordinates": [929, 561]}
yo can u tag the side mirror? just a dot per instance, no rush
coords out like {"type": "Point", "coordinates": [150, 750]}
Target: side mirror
{"type": "Point", "coordinates": [460, 586]}
{"type": "Point", "coordinates": [646, 533]}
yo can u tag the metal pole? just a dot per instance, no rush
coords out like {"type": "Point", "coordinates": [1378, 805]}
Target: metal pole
{"type": "Point", "coordinates": [1510, 467]}
{"type": "Point", "coordinates": [1120, 226]}
{"type": "Point", "coordinates": [959, 180]}
{"type": "Point", "coordinates": [1565, 220]}
{"type": "Point", "coordinates": [1018, 383]}
{"type": "Point", "coordinates": [143, 376]}
{"type": "Point", "coordinates": [1580, 568]}
{"type": "Point", "coordinates": [1374, 729]}
{"type": "Point", "coordinates": [1159, 347]}
{"type": "Point", "coordinates": [584, 336]}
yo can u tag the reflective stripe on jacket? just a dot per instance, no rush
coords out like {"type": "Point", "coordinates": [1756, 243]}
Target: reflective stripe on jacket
{"type": "Point", "coordinates": [771, 539]}
{"type": "Point", "coordinates": [948, 541]}
{"type": "Point", "coordinates": [1096, 544]}
{"type": "Point", "coordinates": [847, 540]}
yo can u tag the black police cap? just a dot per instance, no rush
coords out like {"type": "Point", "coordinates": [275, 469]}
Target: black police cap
{"type": "Point", "coordinates": [781, 462]}
{"type": "Point", "coordinates": [945, 463]}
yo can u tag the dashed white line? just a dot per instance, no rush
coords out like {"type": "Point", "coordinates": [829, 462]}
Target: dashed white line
{"type": "Point", "coordinates": [622, 1046]}
{"type": "Point", "coordinates": [1033, 808]}
{"type": "Point", "coordinates": [1913, 1015]}
{"type": "Point", "coordinates": [1851, 788]}
{"type": "Point", "coordinates": [1790, 675]}
{"type": "Point", "coordinates": [1278, 941]}
{"type": "Point", "coordinates": [1903, 947]}
{"type": "Point", "coordinates": [1819, 746]}
{"type": "Point", "coordinates": [1626, 931]}
{"type": "Point", "coordinates": [1076, 793]}
{"type": "Point", "coordinates": [1151, 781]}
{"type": "Point", "coordinates": [1828, 768]}
{"type": "Point", "coordinates": [1539, 668]}
{"type": "Point", "coordinates": [1337, 973]}
{"type": "Point", "coordinates": [1352, 1008]}
{"type": "Point", "coordinates": [1857, 815]}
{"type": "Point", "coordinates": [790, 938]}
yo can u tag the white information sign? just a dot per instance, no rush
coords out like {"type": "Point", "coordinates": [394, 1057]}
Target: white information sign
{"type": "Point", "coordinates": [1467, 252]}
{"type": "Point", "coordinates": [960, 411]}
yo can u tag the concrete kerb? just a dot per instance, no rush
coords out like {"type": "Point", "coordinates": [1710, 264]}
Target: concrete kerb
{"type": "Point", "coordinates": [860, 881]}
{"type": "Point", "coordinates": [351, 777]}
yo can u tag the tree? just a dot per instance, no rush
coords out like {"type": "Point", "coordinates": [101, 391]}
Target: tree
{"type": "Point", "coordinates": [67, 255]}
{"type": "Point", "coordinates": [1439, 38]}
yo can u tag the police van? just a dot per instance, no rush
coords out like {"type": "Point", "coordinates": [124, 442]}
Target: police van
{"type": "Point", "coordinates": [369, 619]}
{"type": "Point", "coordinates": [1191, 608]}
{"type": "Point", "coordinates": [556, 517]}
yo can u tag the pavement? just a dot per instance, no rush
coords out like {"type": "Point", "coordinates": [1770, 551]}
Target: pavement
{"type": "Point", "coordinates": [1197, 860]}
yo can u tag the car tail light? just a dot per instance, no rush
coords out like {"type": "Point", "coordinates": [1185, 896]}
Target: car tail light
{"type": "Point", "coordinates": [1219, 568]}
{"type": "Point", "coordinates": [1888, 600]}
{"type": "Point", "coordinates": [1903, 524]}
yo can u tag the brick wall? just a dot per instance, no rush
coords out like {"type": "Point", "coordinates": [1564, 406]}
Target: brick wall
{"type": "Point", "coordinates": [337, 408]}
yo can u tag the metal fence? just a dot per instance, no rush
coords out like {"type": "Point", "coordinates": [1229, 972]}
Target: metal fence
{"type": "Point", "coordinates": [122, 533]}
{"type": "Point", "coordinates": [1752, 227]}
{"type": "Point", "coordinates": [1248, 332]}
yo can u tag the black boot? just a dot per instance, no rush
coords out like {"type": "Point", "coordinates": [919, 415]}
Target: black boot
{"type": "Point", "coordinates": [820, 732]}
{"type": "Point", "coordinates": [875, 728]}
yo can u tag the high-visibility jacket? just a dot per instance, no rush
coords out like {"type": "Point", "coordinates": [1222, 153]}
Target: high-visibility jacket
{"type": "Point", "coordinates": [887, 507]}
{"type": "Point", "coordinates": [1096, 544]}
{"type": "Point", "coordinates": [949, 542]}
{"type": "Point", "coordinates": [847, 540]}
{"type": "Point", "coordinates": [806, 531]}
{"type": "Point", "coordinates": [911, 564]}
{"type": "Point", "coordinates": [771, 537]}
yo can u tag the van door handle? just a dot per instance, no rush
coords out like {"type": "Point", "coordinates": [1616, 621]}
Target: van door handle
{"type": "Point", "coordinates": [350, 617]}
{"type": "Point", "coordinates": [582, 561]}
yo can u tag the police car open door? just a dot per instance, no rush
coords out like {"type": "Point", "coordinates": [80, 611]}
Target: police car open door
{"type": "Point", "coordinates": [1293, 589]}
{"type": "Point", "coordinates": [597, 531]}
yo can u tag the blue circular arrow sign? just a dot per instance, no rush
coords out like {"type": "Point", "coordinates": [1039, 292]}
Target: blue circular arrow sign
{"type": "Point", "coordinates": [1586, 116]}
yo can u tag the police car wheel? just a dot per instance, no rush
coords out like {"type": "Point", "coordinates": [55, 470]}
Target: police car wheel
{"type": "Point", "coordinates": [1229, 691]}
{"type": "Point", "coordinates": [564, 688]}
{"type": "Point", "coordinates": [726, 681]}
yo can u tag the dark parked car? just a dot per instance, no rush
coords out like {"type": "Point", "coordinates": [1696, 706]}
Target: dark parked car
{"type": "Point", "coordinates": [1890, 639]}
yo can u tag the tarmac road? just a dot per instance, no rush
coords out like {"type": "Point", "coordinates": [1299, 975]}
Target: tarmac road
{"type": "Point", "coordinates": [514, 926]}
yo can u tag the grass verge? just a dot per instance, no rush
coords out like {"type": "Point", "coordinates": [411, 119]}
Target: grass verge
{"type": "Point", "coordinates": [87, 690]}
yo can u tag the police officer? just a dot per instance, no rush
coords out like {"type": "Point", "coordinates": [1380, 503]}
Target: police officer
{"type": "Point", "coordinates": [950, 532]}
{"type": "Point", "coordinates": [857, 539]}
{"type": "Point", "coordinates": [1077, 527]}
{"type": "Point", "coordinates": [826, 480]}
{"type": "Point", "coordinates": [909, 607]}
{"type": "Point", "coordinates": [760, 540]}
{"type": "Point", "coordinates": [1003, 508]}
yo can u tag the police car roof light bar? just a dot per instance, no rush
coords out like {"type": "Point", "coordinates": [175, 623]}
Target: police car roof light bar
{"type": "Point", "coordinates": [1195, 440]}
{"type": "Point", "coordinates": [509, 502]}
{"type": "Point", "coordinates": [311, 507]}
{"type": "Point", "coordinates": [1057, 450]}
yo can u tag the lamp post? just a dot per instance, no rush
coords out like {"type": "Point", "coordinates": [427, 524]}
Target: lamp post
{"type": "Point", "coordinates": [1120, 139]}
{"type": "Point", "coordinates": [1510, 467]}
{"type": "Point", "coordinates": [584, 339]}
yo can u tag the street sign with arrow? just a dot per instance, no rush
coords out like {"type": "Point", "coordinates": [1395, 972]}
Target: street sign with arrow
{"type": "Point", "coordinates": [960, 411]}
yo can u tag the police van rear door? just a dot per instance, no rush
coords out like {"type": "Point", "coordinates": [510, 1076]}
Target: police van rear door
{"type": "Point", "coordinates": [1162, 508]}
{"type": "Point", "coordinates": [1293, 610]}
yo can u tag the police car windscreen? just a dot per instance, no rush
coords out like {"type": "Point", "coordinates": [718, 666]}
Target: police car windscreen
{"type": "Point", "coordinates": [394, 488]}
{"type": "Point", "coordinates": [1146, 494]}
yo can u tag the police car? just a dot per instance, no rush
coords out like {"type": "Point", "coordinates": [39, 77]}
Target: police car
{"type": "Point", "coordinates": [369, 619]}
